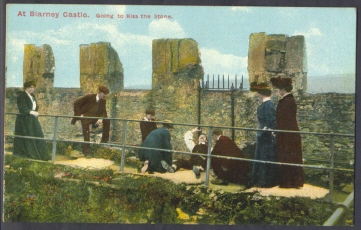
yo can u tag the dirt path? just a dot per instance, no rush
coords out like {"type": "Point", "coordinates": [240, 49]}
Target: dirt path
{"type": "Point", "coordinates": [188, 177]}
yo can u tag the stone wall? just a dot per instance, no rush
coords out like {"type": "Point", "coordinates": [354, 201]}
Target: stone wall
{"type": "Point", "coordinates": [176, 73]}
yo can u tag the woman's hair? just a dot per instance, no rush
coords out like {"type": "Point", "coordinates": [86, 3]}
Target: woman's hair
{"type": "Point", "coordinates": [287, 88]}
{"type": "Point", "coordinates": [282, 83]}
{"type": "Point", "coordinates": [28, 84]}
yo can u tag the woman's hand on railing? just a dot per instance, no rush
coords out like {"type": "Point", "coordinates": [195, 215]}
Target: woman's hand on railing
{"type": "Point", "coordinates": [34, 113]}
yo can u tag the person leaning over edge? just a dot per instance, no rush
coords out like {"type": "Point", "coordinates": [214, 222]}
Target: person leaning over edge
{"type": "Point", "coordinates": [227, 170]}
{"type": "Point", "coordinates": [92, 105]}
{"type": "Point", "coordinates": [196, 163]}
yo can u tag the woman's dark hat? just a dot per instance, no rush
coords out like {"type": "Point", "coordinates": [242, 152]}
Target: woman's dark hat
{"type": "Point", "coordinates": [103, 89]}
{"type": "Point", "coordinates": [255, 87]}
{"type": "Point", "coordinates": [279, 82]}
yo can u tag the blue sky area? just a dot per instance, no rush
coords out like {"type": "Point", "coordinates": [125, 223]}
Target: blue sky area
{"type": "Point", "coordinates": [222, 34]}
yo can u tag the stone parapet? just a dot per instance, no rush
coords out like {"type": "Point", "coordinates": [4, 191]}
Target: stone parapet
{"type": "Point", "coordinates": [100, 65]}
{"type": "Point", "coordinates": [39, 66]}
{"type": "Point", "coordinates": [278, 55]}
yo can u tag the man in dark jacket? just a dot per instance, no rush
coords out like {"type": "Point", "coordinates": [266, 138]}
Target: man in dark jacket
{"type": "Point", "coordinates": [152, 158]}
{"type": "Point", "coordinates": [227, 170]}
{"type": "Point", "coordinates": [92, 105]}
{"type": "Point", "coordinates": [148, 124]}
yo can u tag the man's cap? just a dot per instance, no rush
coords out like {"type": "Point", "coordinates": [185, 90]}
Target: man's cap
{"type": "Point", "coordinates": [103, 89]}
{"type": "Point", "coordinates": [150, 111]}
{"type": "Point", "coordinates": [167, 124]}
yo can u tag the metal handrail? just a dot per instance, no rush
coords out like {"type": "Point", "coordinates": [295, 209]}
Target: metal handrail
{"type": "Point", "coordinates": [209, 156]}
{"type": "Point", "coordinates": [196, 125]}
{"type": "Point", "coordinates": [338, 218]}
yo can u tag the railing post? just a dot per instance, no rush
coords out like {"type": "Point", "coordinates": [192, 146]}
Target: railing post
{"type": "Point", "coordinates": [54, 139]}
{"type": "Point", "coordinates": [209, 155]}
{"type": "Point", "coordinates": [235, 81]}
{"type": "Point", "coordinates": [332, 140]}
{"type": "Point", "coordinates": [123, 146]}
{"type": "Point", "coordinates": [199, 107]}
{"type": "Point", "coordinates": [232, 113]}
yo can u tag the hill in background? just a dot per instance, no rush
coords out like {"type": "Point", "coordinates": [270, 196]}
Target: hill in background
{"type": "Point", "coordinates": [333, 83]}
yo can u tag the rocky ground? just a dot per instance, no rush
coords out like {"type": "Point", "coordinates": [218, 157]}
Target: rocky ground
{"type": "Point", "coordinates": [188, 177]}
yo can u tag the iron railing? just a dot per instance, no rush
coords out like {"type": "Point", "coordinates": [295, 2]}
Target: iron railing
{"type": "Point", "coordinates": [219, 83]}
{"type": "Point", "coordinates": [123, 145]}
{"type": "Point", "coordinates": [338, 218]}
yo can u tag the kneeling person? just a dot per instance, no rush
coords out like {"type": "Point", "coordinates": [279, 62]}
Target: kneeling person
{"type": "Point", "coordinates": [152, 158]}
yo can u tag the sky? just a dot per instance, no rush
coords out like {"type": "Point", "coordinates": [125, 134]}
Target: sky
{"type": "Point", "coordinates": [222, 33]}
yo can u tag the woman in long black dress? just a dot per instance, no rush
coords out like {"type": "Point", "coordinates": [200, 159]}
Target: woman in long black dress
{"type": "Point", "coordinates": [289, 145]}
{"type": "Point", "coordinates": [27, 124]}
{"type": "Point", "coordinates": [264, 174]}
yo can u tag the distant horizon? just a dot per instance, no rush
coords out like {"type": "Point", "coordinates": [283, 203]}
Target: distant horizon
{"type": "Point", "coordinates": [314, 84]}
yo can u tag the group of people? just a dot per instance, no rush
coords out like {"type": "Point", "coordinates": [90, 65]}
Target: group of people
{"type": "Point", "coordinates": [277, 146]}
{"type": "Point", "coordinates": [272, 146]}
{"type": "Point", "coordinates": [27, 123]}
{"type": "Point", "coordinates": [157, 157]}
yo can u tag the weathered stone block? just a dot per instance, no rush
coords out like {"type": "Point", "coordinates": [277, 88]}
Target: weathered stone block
{"type": "Point", "coordinates": [174, 55]}
{"type": "Point", "coordinates": [39, 65]}
{"type": "Point", "coordinates": [277, 54]}
{"type": "Point", "coordinates": [100, 65]}
{"type": "Point", "coordinates": [276, 42]}
{"type": "Point", "coordinates": [295, 59]}
{"type": "Point", "coordinates": [188, 54]}
{"type": "Point", "coordinates": [256, 54]}
{"type": "Point", "coordinates": [274, 62]}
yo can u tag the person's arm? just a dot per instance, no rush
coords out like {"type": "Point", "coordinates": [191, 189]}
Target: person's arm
{"type": "Point", "coordinates": [22, 104]}
{"type": "Point", "coordinates": [188, 139]}
{"type": "Point", "coordinates": [270, 119]}
{"type": "Point", "coordinates": [78, 104]}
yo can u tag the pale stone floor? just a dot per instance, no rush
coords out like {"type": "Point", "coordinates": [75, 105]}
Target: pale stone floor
{"type": "Point", "coordinates": [188, 177]}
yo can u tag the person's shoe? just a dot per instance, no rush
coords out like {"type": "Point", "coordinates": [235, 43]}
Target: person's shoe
{"type": "Point", "coordinates": [167, 167]}
{"type": "Point", "coordinates": [196, 171]}
{"type": "Point", "coordinates": [219, 182]}
{"type": "Point", "coordinates": [145, 167]}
